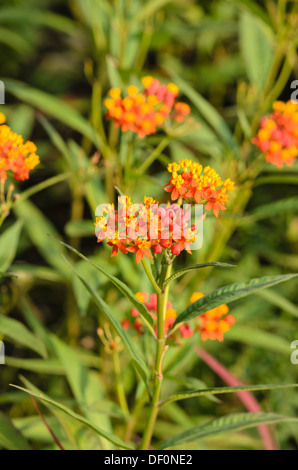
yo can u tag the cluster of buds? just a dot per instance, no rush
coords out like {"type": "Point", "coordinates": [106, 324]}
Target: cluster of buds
{"type": "Point", "coordinates": [145, 228]}
{"type": "Point", "coordinates": [144, 111]}
{"type": "Point", "coordinates": [197, 185]}
{"type": "Point", "coordinates": [278, 136]}
{"type": "Point", "coordinates": [111, 344]}
{"type": "Point", "coordinates": [211, 325]}
{"type": "Point", "coordinates": [16, 156]}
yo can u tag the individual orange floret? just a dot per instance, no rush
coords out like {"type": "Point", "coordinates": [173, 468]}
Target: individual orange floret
{"type": "Point", "coordinates": [15, 155]}
{"type": "Point", "coordinates": [278, 135]}
{"type": "Point", "coordinates": [141, 248]}
{"type": "Point", "coordinates": [182, 110]}
{"type": "Point", "coordinates": [214, 323]}
{"type": "Point", "coordinates": [196, 185]}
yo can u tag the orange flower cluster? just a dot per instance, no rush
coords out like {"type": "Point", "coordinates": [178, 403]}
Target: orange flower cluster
{"type": "Point", "coordinates": [195, 184]}
{"type": "Point", "coordinates": [143, 112]}
{"type": "Point", "coordinates": [140, 228]}
{"type": "Point", "coordinates": [15, 155]}
{"type": "Point", "coordinates": [214, 323]}
{"type": "Point", "coordinates": [278, 136]}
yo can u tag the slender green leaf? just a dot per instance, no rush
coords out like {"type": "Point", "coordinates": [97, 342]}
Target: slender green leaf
{"type": "Point", "coordinates": [16, 332]}
{"type": "Point", "coordinates": [259, 339]}
{"type": "Point", "coordinates": [79, 228]}
{"type": "Point", "coordinates": [183, 271]}
{"type": "Point", "coordinates": [59, 406]}
{"type": "Point", "coordinates": [55, 108]}
{"type": "Point", "coordinates": [57, 140]}
{"type": "Point", "coordinates": [10, 437]}
{"type": "Point", "coordinates": [252, 7]}
{"type": "Point", "coordinates": [9, 241]}
{"type": "Point", "coordinates": [14, 40]}
{"type": "Point", "coordinates": [149, 9]}
{"type": "Point", "coordinates": [36, 17]}
{"type": "Point", "coordinates": [39, 366]}
{"type": "Point", "coordinates": [114, 76]}
{"type": "Point", "coordinates": [207, 111]}
{"type": "Point", "coordinates": [87, 388]}
{"type": "Point", "coordinates": [223, 390]}
{"type": "Point", "coordinates": [280, 301]}
{"type": "Point", "coordinates": [274, 208]}
{"type": "Point", "coordinates": [257, 49]}
{"type": "Point", "coordinates": [123, 288]}
{"type": "Point", "coordinates": [106, 310]}
{"type": "Point", "coordinates": [236, 422]}
{"type": "Point", "coordinates": [229, 294]}
{"type": "Point", "coordinates": [279, 179]}
{"type": "Point", "coordinates": [37, 227]}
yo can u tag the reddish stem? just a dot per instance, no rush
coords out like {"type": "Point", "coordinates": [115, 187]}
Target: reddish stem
{"type": "Point", "coordinates": [47, 425]}
{"type": "Point", "coordinates": [247, 398]}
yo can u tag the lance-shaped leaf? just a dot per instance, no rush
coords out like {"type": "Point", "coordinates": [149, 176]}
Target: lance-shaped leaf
{"type": "Point", "coordinates": [56, 108]}
{"type": "Point", "coordinates": [10, 437]}
{"type": "Point", "coordinates": [236, 422]}
{"type": "Point", "coordinates": [254, 8]}
{"type": "Point", "coordinates": [9, 241]}
{"type": "Point", "coordinates": [183, 271]}
{"type": "Point", "coordinates": [207, 111]}
{"type": "Point", "coordinates": [59, 406]}
{"type": "Point", "coordinates": [106, 310]}
{"type": "Point", "coordinates": [149, 9]}
{"type": "Point", "coordinates": [223, 390]}
{"type": "Point", "coordinates": [123, 288]}
{"type": "Point", "coordinates": [228, 294]}
{"type": "Point", "coordinates": [16, 332]}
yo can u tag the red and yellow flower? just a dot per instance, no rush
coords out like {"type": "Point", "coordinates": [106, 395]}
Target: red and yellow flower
{"type": "Point", "coordinates": [212, 325]}
{"type": "Point", "coordinates": [198, 185]}
{"type": "Point", "coordinates": [145, 229]}
{"type": "Point", "coordinates": [144, 111]}
{"type": "Point", "coordinates": [278, 135]}
{"type": "Point", "coordinates": [16, 156]}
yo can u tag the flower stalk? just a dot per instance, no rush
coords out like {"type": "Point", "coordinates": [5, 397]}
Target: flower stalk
{"type": "Point", "coordinates": [162, 299]}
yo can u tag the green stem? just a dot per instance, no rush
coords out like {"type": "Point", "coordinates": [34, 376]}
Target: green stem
{"type": "Point", "coordinates": [162, 300]}
{"type": "Point", "coordinates": [154, 155]}
{"type": "Point", "coordinates": [77, 212]}
{"type": "Point", "coordinates": [119, 384]}
{"type": "Point", "coordinates": [151, 277]}
{"type": "Point", "coordinates": [42, 186]}
{"type": "Point", "coordinates": [135, 415]}
{"type": "Point", "coordinates": [2, 219]}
